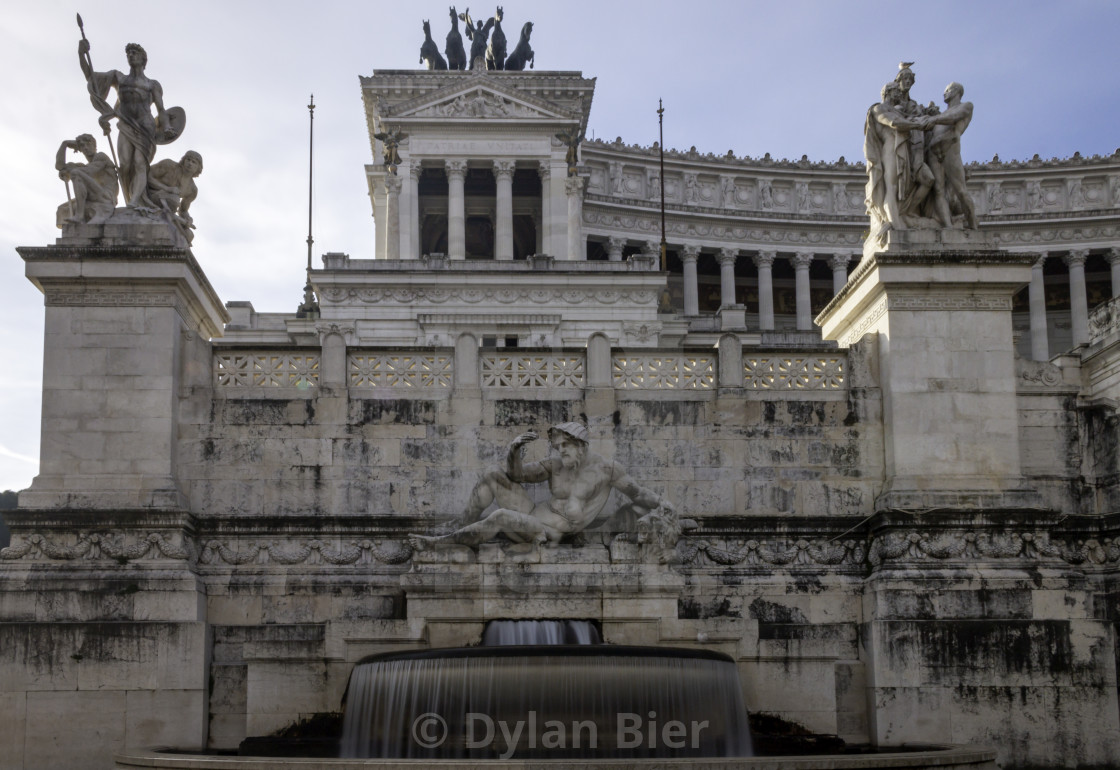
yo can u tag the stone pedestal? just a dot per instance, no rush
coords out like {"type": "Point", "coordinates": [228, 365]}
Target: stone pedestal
{"type": "Point", "coordinates": [943, 320]}
{"type": "Point", "coordinates": [126, 327]}
{"type": "Point", "coordinates": [733, 318]}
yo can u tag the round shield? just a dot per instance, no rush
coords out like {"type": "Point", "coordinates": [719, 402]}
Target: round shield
{"type": "Point", "coordinates": [176, 121]}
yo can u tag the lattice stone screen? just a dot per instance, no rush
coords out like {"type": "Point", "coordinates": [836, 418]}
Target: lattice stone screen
{"type": "Point", "coordinates": [399, 370]}
{"type": "Point", "coordinates": [782, 373]}
{"type": "Point", "coordinates": [266, 370]}
{"type": "Point", "coordinates": [501, 370]}
{"type": "Point", "coordinates": [664, 372]}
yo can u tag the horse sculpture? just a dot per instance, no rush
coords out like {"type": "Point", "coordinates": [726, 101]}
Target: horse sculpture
{"type": "Point", "coordinates": [429, 51]}
{"type": "Point", "coordinates": [456, 54]}
{"type": "Point", "coordinates": [496, 51]}
{"type": "Point", "coordinates": [522, 53]}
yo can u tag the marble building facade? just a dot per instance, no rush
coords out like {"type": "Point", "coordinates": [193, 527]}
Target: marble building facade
{"type": "Point", "coordinates": [897, 472]}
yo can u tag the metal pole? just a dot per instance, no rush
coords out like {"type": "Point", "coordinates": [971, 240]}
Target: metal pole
{"type": "Point", "coordinates": [661, 147]}
{"type": "Point", "coordinates": [310, 174]}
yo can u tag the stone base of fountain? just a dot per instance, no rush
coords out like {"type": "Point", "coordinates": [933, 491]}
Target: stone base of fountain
{"type": "Point", "coordinates": [939, 757]}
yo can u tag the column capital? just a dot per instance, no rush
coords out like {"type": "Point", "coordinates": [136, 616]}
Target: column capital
{"type": "Point", "coordinates": [393, 184]}
{"type": "Point", "coordinates": [503, 169]}
{"type": "Point", "coordinates": [573, 185]}
{"type": "Point", "coordinates": [765, 258]}
{"type": "Point", "coordinates": [1077, 257]}
{"type": "Point", "coordinates": [1113, 255]}
{"type": "Point", "coordinates": [839, 261]}
{"type": "Point", "coordinates": [652, 248]}
{"type": "Point", "coordinates": [456, 169]}
{"type": "Point", "coordinates": [617, 242]}
{"type": "Point", "coordinates": [414, 171]}
{"type": "Point", "coordinates": [802, 259]}
{"type": "Point", "coordinates": [1040, 262]}
{"type": "Point", "coordinates": [690, 252]}
{"type": "Point", "coordinates": [726, 255]}
{"type": "Point", "coordinates": [544, 169]}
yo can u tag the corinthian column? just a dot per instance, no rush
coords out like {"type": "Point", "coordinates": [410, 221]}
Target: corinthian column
{"type": "Point", "coordinates": [456, 209]}
{"type": "Point", "coordinates": [614, 248]}
{"type": "Point", "coordinates": [414, 214]}
{"type": "Point", "coordinates": [503, 175]}
{"type": "Point", "coordinates": [1078, 300]}
{"type": "Point", "coordinates": [765, 263]}
{"type": "Point", "coordinates": [690, 252]}
{"type": "Point", "coordinates": [1114, 260]}
{"type": "Point", "coordinates": [839, 265]}
{"type": "Point", "coordinates": [544, 170]}
{"type": "Point", "coordinates": [392, 217]}
{"type": "Point", "coordinates": [801, 262]}
{"type": "Point", "coordinates": [1040, 346]}
{"type": "Point", "coordinates": [726, 258]}
{"type": "Point", "coordinates": [573, 186]}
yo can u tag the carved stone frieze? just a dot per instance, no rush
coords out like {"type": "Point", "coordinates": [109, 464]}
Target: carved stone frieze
{"type": "Point", "coordinates": [506, 296]}
{"type": "Point", "coordinates": [949, 302]}
{"type": "Point", "coordinates": [479, 104]}
{"type": "Point", "coordinates": [313, 551]}
{"type": "Point", "coordinates": [108, 546]}
{"type": "Point", "coordinates": [1104, 321]}
{"type": "Point", "coordinates": [99, 545]}
{"type": "Point", "coordinates": [906, 547]}
{"type": "Point", "coordinates": [1037, 375]}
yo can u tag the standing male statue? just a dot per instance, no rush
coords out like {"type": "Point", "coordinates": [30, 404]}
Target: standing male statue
{"type": "Point", "coordinates": [140, 132]}
{"type": "Point", "coordinates": [945, 158]}
{"type": "Point", "coordinates": [886, 145]}
{"type": "Point", "coordinates": [579, 480]}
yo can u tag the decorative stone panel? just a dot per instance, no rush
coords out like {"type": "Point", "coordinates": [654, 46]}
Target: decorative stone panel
{"type": "Point", "coordinates": [266, 369]}
{"type": "Point", "coordinates": [502, 370]}
{"type": "Point", "coordinates": [664, 372]}
{"type": "Point", "coordinates": [399, 370]}
{"type": "Point", "coordinates": [787, 373]}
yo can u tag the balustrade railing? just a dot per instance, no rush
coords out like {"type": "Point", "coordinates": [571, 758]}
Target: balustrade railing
{"type": "Point", "coordinates": [264, 369]}
{"type": "Point", "coordinates": [399, 370]}
{"type": "Point", "coordinates": [664, 371]}
{"type": "Point", "coordinates": [794, 373]}
{"type": "Point", "coordinates": [532, 370]}
{"type": "Point", "coordinates": [520, 370]}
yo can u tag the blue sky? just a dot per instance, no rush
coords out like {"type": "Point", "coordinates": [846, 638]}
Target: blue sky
{"type": "Point", "coordinates": [787, 78]}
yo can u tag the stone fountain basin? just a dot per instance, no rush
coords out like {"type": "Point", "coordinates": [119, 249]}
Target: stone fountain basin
{"type": "Point", "coordinates": [942, 757]}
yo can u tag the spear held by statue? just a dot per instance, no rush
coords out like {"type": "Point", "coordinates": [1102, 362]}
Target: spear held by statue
{"type": "Point", "coordinates": [99, 104]}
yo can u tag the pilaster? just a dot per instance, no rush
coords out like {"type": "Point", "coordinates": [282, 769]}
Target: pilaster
{"type": "Point", "coordinates": [573, 187]}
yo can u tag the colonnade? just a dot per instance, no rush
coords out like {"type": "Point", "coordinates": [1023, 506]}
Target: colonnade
{"type": "Point", "coordinates": [562, 234]}
{"type": "Point", "coordinates": [764, 261]}
{"type": "Point", "coordinates": [801, 260]}
{"type": "Point", "coordinates": [1078, 298]}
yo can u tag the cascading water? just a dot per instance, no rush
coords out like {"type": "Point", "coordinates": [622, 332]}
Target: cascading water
{"type": "Point", "coordinates": [502, 633]}
{"type": "Point", "coordinates": [510, 700]}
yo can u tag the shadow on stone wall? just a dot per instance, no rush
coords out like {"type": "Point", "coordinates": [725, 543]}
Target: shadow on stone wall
{"type": "Point", "coordinates": [8, 501]}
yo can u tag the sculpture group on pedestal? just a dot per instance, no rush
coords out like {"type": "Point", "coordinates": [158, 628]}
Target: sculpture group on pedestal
{"type": "Point", "coordinates": [915, 175]}
{"type": "Point", "coordinates": [165, 190]}
{"type": "Point", "coordinates": [488, 51]}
